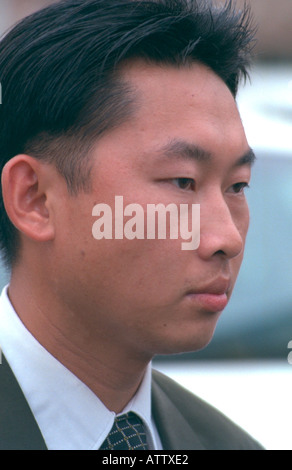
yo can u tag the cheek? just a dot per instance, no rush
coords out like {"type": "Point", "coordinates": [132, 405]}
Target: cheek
{"type": "Point", "coordinates": [244, 222]}
{"type": "Point", "coordinates": [240, 215]}
{"type": "Point", "coordinates": [236, 262]}
{"type": "Point", "coordinates": [141, 271]}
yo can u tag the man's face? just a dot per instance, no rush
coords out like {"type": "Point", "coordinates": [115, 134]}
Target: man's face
{"type": "Point", "coordinates": [149, 295]}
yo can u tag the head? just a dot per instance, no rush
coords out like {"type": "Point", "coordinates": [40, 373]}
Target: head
{"type": "Point", "coordinates": [132, 98]}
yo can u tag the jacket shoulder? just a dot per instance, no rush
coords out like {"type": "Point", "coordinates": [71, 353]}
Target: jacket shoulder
{"type": "Point", "coordinates": [18, 428]}
{"type": "Point", "coordinates": [215, 430]}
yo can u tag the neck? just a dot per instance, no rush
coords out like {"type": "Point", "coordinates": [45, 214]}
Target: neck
{"type": "Point", "coordinates": [108, 367]}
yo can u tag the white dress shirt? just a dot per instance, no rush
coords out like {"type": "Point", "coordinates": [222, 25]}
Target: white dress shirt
{"type": "Point", "coordinates": [70, 416]}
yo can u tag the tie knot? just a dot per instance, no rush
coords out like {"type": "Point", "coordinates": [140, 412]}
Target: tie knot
{"type": "Point", "coordinates": [127, 433]}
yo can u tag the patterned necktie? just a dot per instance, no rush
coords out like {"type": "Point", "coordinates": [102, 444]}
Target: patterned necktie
{"type": "Point", "coordinates": [127, 433]}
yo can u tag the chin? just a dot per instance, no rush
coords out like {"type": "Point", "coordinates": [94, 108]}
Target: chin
{"type": "Point", "coordinates": [180, 345]}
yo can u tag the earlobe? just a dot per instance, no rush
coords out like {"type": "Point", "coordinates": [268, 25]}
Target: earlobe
{"type": "Point", "coordinates": [25, 198]}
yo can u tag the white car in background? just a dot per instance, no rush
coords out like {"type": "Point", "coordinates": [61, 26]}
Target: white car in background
{"type": "Point", "coordinates": [245, 370]}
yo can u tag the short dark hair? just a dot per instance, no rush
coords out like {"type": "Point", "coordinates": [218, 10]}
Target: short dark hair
{"type": "Point", "coordinates": [60, 81]}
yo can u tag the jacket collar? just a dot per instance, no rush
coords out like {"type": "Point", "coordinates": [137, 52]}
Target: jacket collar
{"type": "Point", "coordinates": [174, 429]}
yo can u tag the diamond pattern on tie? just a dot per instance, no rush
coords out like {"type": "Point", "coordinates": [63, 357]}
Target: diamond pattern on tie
{"type": "Point", "coordinates": [127, 433]}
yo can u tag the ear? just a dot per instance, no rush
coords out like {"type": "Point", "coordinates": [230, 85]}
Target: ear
{"type": "Point", "coordinates": [25, 197]}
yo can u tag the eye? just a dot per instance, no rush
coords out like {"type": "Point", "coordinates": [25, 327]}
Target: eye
{"type": "Point", "coordinates": [184, 183]}
{"type": "Point", "coordinates": [238, 188]}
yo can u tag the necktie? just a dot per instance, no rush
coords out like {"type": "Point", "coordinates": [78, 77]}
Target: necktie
{"type": "Point", "coordinates": [127, 433]}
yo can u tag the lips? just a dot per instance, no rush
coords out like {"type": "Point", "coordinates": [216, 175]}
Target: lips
{"type": "Point", "coordinates": [211, 297]}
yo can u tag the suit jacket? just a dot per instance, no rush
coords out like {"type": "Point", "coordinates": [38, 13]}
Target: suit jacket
{"type": "Point", "coordinates": [184, 422]}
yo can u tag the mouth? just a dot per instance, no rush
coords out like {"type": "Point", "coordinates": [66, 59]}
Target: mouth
{"type": "Point", "coordinates": [212, 297]}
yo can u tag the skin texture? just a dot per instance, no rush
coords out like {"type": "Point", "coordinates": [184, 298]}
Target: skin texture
{"type": "Point", "coordinates": [105, 307]}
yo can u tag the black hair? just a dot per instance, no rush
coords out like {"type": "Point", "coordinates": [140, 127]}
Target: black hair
{"type": "Point", "coordinates": [61, 88]}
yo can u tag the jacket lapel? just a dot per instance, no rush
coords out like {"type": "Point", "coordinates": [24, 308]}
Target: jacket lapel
{"type": "Point", "coordinates": [174, 430]}
{"type": "Point", "coordinates": [18, 428]}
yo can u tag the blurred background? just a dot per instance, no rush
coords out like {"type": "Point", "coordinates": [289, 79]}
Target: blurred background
{"type": "Point", "coordinates": [245, 370]}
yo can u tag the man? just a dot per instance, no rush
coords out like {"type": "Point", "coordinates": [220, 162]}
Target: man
{"type": "Point", "coordinates": [135, 100]}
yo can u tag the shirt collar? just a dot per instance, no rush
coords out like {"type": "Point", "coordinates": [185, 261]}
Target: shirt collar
{"type": "Point", "coordinates": [70, 416]}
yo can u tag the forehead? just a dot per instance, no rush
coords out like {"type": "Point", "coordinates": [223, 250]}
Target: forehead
{"type": "Point", "coordinates": [156, 84]}
{"type": "Point", "coordinates": [190, 104]}
{"type": "Point", "coordinates": [167, 95]}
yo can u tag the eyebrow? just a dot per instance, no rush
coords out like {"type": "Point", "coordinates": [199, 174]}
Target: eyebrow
{"type": "Point", "coordinates": [184, 150]}
{"type": "Point", "coordinates": [247, 159]}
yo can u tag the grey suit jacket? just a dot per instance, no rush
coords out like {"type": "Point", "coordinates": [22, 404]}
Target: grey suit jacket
{"type": "Point", "coordinates": [184, 421]}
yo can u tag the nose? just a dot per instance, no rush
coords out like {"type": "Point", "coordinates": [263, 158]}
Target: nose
{"type": "Point", "coordinates": [222, 232]}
